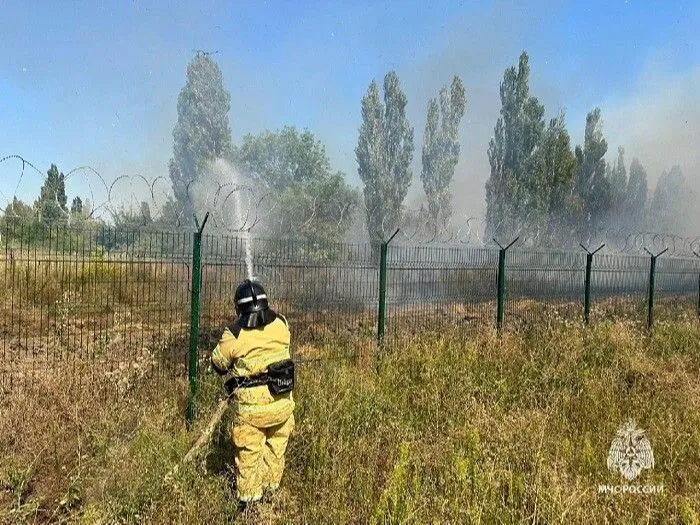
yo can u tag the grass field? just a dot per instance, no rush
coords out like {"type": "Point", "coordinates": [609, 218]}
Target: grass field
{"type": "Point", "coordinates": [459, 427]}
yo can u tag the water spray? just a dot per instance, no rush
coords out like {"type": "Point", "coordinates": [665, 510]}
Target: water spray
{"type": "Point", "coordinates": [222, 168]}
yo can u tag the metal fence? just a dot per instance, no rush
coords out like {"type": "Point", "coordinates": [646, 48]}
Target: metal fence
{"type": "Point", "coordinates": [113, 306]}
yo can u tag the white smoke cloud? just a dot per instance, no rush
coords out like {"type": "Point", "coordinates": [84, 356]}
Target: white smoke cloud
{"type": "Point", "coordinates": [658, 123]}
{"type": "Point", "coordinates": [655, 119]}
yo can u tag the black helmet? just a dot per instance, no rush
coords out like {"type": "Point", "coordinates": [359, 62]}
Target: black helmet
{"type": "Point", "coordinates": [252, 307]}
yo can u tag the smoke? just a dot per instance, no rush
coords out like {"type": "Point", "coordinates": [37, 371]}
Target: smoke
{"type": "Point", "coordinates": [658, 123]}
{"type": "Point", "coordinates": [478, 57]}
{"type": "Point", "coordinates": [655, 118]}
{"type": "Point", "coordinates": [310, 68]}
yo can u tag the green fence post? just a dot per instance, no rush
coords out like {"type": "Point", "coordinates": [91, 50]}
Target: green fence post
{"type": "Point", "coordinates": [587, 282]}
{"type": "Point", "coordinates": [192, 371]}
{"type": "Point", "coordinates": [698, 256]}
{"type": "Point", "coordinates": [501, 288]}
{"type": "Point", "coordinates": [652, 277]}
{"type": "Point", "coordinates": [381, 314]}
{"type": "Point", "coordinates": [501, 298]}
{"type": "Point", "coordinates": [652, 274]}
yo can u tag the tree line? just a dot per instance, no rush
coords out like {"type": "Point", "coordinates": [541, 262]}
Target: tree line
{"type": "Point", "coordinates": [538, 183]}
{"type": "Point", "coordinates": [292, 167]}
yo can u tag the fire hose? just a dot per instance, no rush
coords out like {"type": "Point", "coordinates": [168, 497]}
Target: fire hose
{"type": "Point", "coordinates": [203, 439]}
{"type": "Point", "coordinates": [231, 385]}
{"type": "Point", "coordinates": [279, 378]}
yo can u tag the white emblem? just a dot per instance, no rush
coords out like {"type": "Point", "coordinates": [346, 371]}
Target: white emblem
{"type": "Point", "coordinates": [630, 451]}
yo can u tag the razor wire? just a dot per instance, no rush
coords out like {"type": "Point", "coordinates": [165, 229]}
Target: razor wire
{"type": "Point", "coordinates": [120, 296]}
{"type": "Point", "coordinates": [241, 207]}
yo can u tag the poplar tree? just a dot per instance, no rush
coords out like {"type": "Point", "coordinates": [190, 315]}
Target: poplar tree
{"type": "Point", "coordinates": [636, 195]}
{"type": "Point", "coordinates": [441, 151]}
{"type": "Point", "coordinates": [202, 132]}
{"type": "Point", "coordinates": [52, 200]}
{"type": "Point", "coordinates": [384, 153]}
{"type": "Point", "coordinates": [517, 134]}
{"type": "Point", "coordinates": [593, 187]}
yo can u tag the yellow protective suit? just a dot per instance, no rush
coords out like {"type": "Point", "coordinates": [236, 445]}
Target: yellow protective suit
{"type": "Point", "coordinates": [262, 421]}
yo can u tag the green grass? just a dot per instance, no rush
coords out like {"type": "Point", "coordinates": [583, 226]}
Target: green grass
{"type": "Point", "coordinates": [461, 427]}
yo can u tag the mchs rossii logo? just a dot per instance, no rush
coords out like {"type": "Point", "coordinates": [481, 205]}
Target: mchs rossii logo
{"type": "Point", "coordinates": [630, 453]}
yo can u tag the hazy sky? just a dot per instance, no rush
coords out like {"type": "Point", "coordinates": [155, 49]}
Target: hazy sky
{"type": "Point", "coordinates": [88, 85]}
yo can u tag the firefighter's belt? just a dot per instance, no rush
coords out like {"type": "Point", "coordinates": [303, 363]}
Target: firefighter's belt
{"type": "Point", "coordinates": [279, 378]}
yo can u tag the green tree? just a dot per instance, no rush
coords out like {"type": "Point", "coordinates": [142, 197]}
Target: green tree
{"type": "Point", "coordinates": [636, 195]}
{"type": "Point", "coordinates": [16, 213]}
{"type": "Point", "coordinates": [384, 153]}
{"type": "Point", "coordinates": [673, 202]}
{"type": "Point", "coordinates": [171, 214]}
{"type": "Point", "coordinates": [308, 199]}
{"type": "Point", "coordinates": [145, 210]}
{"type": "Point", "coordinates": [277, 159]}
{"type": "Point", "coordinates": [202, 131]}
{"type": "Point", "coordinates": [593, 187]}
{"type": "Point", "coordinates": [441, 151]}
{"type": "Point", "coordinates": [18, 221]}
{"type": "Point", "coordinates": [619, 175]}
{"type": "Point", "coordinates": [125, 233]}
{"type": "Point", "coordinates": [80, 214]}
{"type": "Point", "coordinates": [19, 210]}
{"type": "Point", "coordinates": [76, 207]}
{"type": "Point", "coordinates": [319, 211]}
{"type": "Point", "coordinates": [618, 187]}
{"type": "Point", "coordinates": [517, 134]}
{"type": "Point", "coordinates": [132, 218]}
{"type": "Point", "coordinates": [551, 184]}
{"type": "Point", "coordinates": [51, 204]}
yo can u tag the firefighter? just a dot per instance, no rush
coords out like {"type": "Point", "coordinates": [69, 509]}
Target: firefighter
{"type": "Point", "coordinates": [254, 347]}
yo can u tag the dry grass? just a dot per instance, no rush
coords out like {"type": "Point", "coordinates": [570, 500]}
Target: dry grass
{"type": "Point", "coordinates": [460, 427]}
